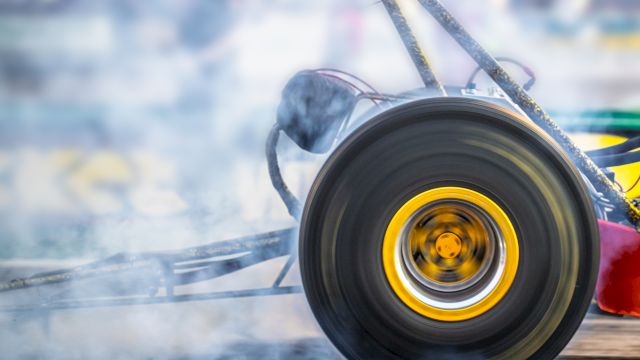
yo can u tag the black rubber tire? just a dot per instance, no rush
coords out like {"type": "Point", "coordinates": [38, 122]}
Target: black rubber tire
{"type": "Point", "coordinates": [443, 142]}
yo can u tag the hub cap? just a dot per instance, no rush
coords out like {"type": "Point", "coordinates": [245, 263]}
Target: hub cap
{"type": "Point", "coordinates": [450, 253]}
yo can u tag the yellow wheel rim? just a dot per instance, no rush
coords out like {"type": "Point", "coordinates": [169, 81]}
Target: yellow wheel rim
{"type": "Point", "coordinates": [450, 254]}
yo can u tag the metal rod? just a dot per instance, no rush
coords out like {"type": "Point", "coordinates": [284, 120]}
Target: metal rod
{"type": "Point", "coordinates": [294, 206]}
{"type": "Point", "coordinates": [285, 270]}
{"type": "Point", "coordinates": [93, 303]}
{"type": "Point", "coordinates": [521, 98]}
{"type": "Point", "coordinates": [274, 243]}
{"type": "Point", "coordinates": [417, 55]}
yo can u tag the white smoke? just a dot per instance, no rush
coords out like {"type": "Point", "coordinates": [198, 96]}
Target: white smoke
{"type": "Point", "coordinates": [129, 127]}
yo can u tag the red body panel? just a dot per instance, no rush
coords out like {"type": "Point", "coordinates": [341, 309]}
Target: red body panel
{"type": "Point", "coordinates": [618, 288]}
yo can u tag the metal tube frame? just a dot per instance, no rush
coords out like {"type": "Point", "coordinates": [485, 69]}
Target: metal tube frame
{"type": "Point", "coordinates": [158, 270]}
{"type": "Point", "coordinates": [413, 48]}
{"type": "Point", "coordinates": [515, 92]}
{"type": "Point", "coordinates": [147, 300]}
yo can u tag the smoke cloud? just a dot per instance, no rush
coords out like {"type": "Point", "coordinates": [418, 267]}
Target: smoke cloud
{"type": "Point", "coordinates": [129, 127]}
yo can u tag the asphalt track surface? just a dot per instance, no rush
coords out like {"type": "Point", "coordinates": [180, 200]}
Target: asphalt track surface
{"type": "Point", "coordinates": [599, 337]}
{"type": "Point", "coordinates": [605, 337]}
{"type": "Point", "coordinates": [271, 327]}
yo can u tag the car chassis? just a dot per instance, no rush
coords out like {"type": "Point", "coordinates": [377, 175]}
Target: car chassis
{"type": "Point", "coordinates": [166, 270]}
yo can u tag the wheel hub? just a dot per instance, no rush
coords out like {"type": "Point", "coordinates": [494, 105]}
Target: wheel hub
{"type": "Point", "coordinates": [448, 245]}
{"type": "Point", "coordinates": [450, 253]}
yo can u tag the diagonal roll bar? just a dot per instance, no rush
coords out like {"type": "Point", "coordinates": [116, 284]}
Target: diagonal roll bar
{"type": "Point", "coordinates": [521, 98]}
{"type": "Point", "coordinates": [413, 48]}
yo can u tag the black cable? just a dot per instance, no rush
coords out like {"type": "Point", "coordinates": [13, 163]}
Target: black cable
{"type": "Point", "coordinates": [338, 71]}
{"type": "Point", "coordinates": [617, 159]}
{"type": "Point", "coordinates": [634, 185]}
{"type": "Point", "coordinates": [628, 145]}
{"type": "Point", "coordinates": [291, 202]}
{"type": "Point", "coordinates": [527, 70]}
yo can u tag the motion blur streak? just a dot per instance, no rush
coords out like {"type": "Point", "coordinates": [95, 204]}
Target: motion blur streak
{"type": "Point", "coordinates": [130, 126]}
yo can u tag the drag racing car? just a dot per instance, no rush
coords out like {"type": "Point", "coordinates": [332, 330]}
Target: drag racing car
{"type": "Point", "coordinates": [447, 221]}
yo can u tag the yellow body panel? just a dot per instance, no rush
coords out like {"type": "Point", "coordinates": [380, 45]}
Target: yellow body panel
{"type": "Point", "coordinates": [626, 175]}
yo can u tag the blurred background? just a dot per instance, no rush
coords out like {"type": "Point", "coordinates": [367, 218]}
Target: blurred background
{"type": "Point", "coordinates": [136, 126]}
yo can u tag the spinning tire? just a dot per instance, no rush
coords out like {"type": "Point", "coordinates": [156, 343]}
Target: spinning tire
{"type": "Point", "coordinates": [449, 228]}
